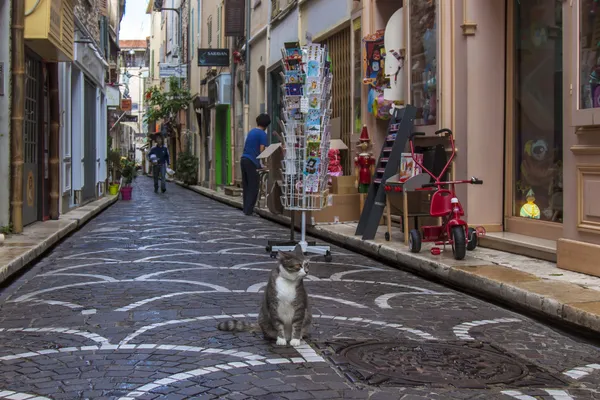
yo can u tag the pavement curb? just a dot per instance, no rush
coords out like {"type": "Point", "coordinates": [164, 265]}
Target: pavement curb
{"type": "Point", "coordinates": [504, 292]}
{"type": "Point", "coordinates": [68, 224]}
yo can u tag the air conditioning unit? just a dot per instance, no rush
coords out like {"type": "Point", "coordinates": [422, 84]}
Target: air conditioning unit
{"type": "Point", "coordinates": [219, 90]}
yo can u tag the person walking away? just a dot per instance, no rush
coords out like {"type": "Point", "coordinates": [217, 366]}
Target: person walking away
{"type": "Point", "coordinates": [159, 157]}
{"type": "Point", "coordinates": [256, 141]}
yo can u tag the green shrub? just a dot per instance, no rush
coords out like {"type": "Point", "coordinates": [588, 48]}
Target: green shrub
{"type": "Point", "coordinates": [187, 168]}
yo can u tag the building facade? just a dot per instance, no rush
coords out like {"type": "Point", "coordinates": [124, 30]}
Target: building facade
{"type": "Point", "coordinates": [64, 135]}
{"type": "Point", "coordinates": [133, 84]}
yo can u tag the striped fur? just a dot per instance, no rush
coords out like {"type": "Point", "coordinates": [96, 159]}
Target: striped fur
{"type": "Point", "coordinates": [233, 325]}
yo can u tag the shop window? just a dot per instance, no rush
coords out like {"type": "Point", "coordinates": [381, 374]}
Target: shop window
{"type": "Point", "coordinates": [423, 60]}
{"type": "Point", "coordinates": [589, 54]}
{"type": "Point", "coordinates": [538, 113]}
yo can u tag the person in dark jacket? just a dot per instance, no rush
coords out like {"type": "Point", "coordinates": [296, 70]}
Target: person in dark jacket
{"type": "Point", "coordinates": [159, 157]}
{"type": "Point", "coordinates": [256, 141]}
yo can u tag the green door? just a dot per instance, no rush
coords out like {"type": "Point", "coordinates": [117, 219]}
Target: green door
{"type": "Point", "coordinates": [222, 146]}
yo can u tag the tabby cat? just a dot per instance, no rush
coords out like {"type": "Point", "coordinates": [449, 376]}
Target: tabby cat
{"type": "Point", "coordinates": [285, 313]}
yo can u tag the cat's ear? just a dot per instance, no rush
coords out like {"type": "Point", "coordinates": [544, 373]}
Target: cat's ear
{"type": "Point", "coordinates": [281, 255]}
{"type": "Point", "coordinates": [298, 250]}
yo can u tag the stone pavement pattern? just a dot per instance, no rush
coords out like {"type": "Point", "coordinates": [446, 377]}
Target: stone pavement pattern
{"type": "Point", "coordinates": [127, 308]}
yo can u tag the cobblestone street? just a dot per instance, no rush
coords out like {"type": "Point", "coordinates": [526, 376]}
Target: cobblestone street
{"type": "Point", "coordinates": [127, 308]}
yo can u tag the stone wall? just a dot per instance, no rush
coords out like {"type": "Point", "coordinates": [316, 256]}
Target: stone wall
{"type": "Point", "coordinates": [87, 12]}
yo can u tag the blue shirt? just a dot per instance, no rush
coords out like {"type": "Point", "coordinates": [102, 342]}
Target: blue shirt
{"type": "Point", "coordinates": [256, 137]}
{"type": "Point", "coordinates": [162, 154]}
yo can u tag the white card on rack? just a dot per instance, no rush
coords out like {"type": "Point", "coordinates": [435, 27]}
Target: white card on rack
{"type": "Point", "coordinates": [304, 105]}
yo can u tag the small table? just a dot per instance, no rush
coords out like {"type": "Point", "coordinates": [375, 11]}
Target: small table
{"type": "Point", "coordinates": [394, 185]}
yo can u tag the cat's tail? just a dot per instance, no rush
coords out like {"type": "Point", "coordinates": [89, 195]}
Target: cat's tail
{"type": "Point", "coordinates": [233, 325]}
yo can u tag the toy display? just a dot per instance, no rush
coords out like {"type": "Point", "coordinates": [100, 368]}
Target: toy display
{"type": "Point", "coordinates": [375, 76]}
{"type": "Point", "coordinates": [364, 161]}
{"type": "Point", "coordinates": [445, 205]}
{"type": "Point", "coordinates": [540, 171]}
{"type": "Point", "coordinates": [335, 167]}
{"type": "Point", "coordinates": [408, 166]}
{"type": "Point", "coordinates": [306, 135]}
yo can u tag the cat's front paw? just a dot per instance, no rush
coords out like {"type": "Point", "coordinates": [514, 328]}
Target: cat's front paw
{"type": "Point", "coordinates": [295, 342]}
{"type": "Point", "coordinates": [281, 341]}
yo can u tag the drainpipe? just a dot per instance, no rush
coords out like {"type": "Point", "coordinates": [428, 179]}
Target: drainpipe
{"type": "Point", "coordinates": [248, 71]}
{"type": "Point", "coordinates": [232, 112]}
{"type": "Point", "coordinates": [18, 111]}
{"type": "Point", "coordinates": [54, 145]}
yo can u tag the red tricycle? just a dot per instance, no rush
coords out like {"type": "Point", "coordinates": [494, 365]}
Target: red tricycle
{"type": "Point", "coordinates": [445, 205]}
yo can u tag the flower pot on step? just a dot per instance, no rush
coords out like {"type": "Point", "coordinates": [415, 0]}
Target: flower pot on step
{"type": "Point", "coordinates": [126, 193]}
{"type": "Point", "coordinates": [113, 189]}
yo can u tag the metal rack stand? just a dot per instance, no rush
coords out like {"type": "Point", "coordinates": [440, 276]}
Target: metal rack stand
{"type": "Point", "coordinates": [306, 134]}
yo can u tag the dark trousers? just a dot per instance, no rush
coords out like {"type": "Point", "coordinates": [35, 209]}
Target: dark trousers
{"type": "Point", "coordinates": [250, 184]}
{"type": "Point", "coordinates": [158, 172]}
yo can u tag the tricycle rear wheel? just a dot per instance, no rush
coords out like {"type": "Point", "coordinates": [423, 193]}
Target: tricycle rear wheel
{"type": "Point", "coordinates": [473, 239]}
{"type": "Point", "coordinates": [414, 241]}
{"type": "Point", "coordinates": [459, 242]}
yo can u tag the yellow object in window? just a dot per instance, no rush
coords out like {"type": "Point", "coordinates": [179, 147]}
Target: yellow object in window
{"type": "Point", "coordinates": [530, 209]}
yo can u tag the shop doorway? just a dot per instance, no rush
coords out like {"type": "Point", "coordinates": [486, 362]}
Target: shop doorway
{"type": "Point", "coordinates": [88, 191]}
{"type": "Point", "coordinates": [31, 140]}
{"type": "Point", "coordinates": [222, 146]}
{"type": "Point", "coordinates": [534, 197]}
{"type": "Point", "coordinates": [275, 102]}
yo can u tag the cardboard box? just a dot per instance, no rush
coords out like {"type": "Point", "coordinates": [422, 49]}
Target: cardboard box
{"type": "Point", "coordinates": [343, 185]}
{"type": "Point", "coordinates": [341, 208]}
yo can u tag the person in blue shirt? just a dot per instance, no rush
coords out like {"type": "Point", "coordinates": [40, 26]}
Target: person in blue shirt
{"type": "Point", "coordinates": [256, 141]}
{"type": "Point", "coordinates": [159, 157]}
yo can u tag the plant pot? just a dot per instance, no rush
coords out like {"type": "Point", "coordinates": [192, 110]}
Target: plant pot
{"type": "Point", "coordinates": [113, 189]}
{"type": "Point", "coordinates": [126, 193]}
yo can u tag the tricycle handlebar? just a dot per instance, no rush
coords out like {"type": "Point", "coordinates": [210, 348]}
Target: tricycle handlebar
{"type": "Point", "coordinates": [472, 181]}
{"type": "Point", "coordinates": [445, 130]}
{"type": "Point", "coordinates": [416, 134]}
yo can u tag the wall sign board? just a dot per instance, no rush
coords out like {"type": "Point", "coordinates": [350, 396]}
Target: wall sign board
{"type": "Point", "coordinates": [213, 57]}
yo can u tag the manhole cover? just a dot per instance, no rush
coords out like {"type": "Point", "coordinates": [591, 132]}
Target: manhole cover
{"type": "Point", "coordinates": [457, 364]}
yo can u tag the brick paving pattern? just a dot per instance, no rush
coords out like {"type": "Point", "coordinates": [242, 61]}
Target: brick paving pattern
{"type": "Point", "coordinates": [127, 308]}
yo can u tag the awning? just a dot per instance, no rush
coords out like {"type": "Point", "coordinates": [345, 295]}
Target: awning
{"type": "Point", "coordinates": [132, 125]}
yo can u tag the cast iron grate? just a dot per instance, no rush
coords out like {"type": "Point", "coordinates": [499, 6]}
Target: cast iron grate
{"type": "Point", "coordinates": [466, 365]}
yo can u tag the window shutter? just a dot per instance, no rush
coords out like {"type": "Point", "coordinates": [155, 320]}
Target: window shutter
{"type": "Point", "coordinates": [103, 8]}
{"type": "Point", "coordinates": [274, 8]}
{"type": "Point", "coordinates": [235, 18]}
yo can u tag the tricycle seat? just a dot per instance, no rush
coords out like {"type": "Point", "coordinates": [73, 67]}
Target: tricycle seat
{"type": "Point", "coordinates": [441, 204]}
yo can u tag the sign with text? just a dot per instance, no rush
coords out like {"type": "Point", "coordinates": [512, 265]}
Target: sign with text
{"type": "Point", "coordinates": [213, 57]}
{"type": "Point", "coordinates": [126, 104]}
{"type": "Point", "coordinates": [113, 96]}
{"type": "Point", "coordinates": [177, 71]}
{"type": "Point", "coordinates": [130, 118]}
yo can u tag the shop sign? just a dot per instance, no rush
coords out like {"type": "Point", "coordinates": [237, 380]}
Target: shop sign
{"type": "Point", "coordinates": [213, 57]}
{"type": "Point", "coordinates": [130, 118]}
{"type": "Point", "coordinates": [176, 71]}
{"type": "Point", "coordinates": [126, 104]}
{"type": "Point", "coordinates": [113, 96]}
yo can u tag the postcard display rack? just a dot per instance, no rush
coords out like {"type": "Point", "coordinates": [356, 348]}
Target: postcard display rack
{"type": "Point", "coordinates": [306, 130]}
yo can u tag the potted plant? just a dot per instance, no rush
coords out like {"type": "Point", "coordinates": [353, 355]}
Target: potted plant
{"type": "Point", "coordinates": [128, 174]}
{"type": "Point", "coordinates": [114, 162]}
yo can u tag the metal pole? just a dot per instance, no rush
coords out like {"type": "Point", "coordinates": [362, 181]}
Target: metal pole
{"type": "Point", "coordinates": [54, 141]}
{"type": "Point", "coordinates": [17, 113]}
{"type": "Point", "coordinates": [303, 236]}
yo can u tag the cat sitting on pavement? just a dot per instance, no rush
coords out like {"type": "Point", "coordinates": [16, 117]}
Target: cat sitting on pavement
{"type": "Point", "coordinates": [285, 313]}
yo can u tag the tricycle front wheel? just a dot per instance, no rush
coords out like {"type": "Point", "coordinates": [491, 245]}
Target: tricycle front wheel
{"type": "Point", "coordinates": [414, 241]}
{"type": "Point", "coordinates": [459, 242]}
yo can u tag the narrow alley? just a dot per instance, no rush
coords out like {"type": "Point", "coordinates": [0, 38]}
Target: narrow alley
{"type": "Point", "coordinates": [127, 308]}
